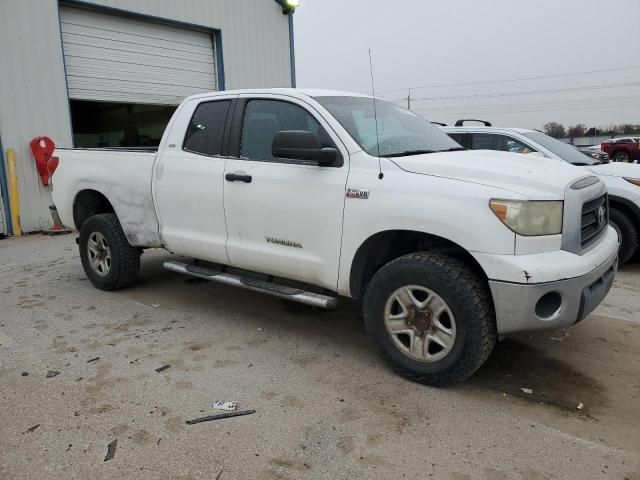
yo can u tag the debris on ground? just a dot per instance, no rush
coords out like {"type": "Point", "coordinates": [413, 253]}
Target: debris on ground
{"type": "Point", "coordinates": [155, 305]}
{"type": "Point", "coordinates": [31, 429]}
{"type": "Point", "coordinates": [528, 391]}
{"type": "Point", "coordinates": [52, 373]}
{"type": "Point", "coordinates": [93, 359]}
{"type": "Point", "coordinates": [25, 374]}
{"type": "Point", "coordinates": [219, 475]}
{"type": "Point", "coordinates": [228, 406]}
{"type": "Point", "coordinates": [111, 450]}
{"type": "Point", "coordinates": [162, 368]}
{"type": "Point", "coordinates": [580, 406]}
{"type": "Point", "coordinates": [220, 416]}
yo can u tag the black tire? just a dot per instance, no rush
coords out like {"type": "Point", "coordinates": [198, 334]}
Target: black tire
{"type": "Point", "coordinates": [627, 232]}
{"type": "Point", "coordinates": [124, 259]}
{"type": "Point", "coordinates": [467, 297]}
{"type": "Point", "coordinates": [621, 157]}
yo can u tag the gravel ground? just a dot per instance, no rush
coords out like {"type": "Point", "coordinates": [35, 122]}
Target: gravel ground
{"type": "Point", "coordinates": [326, 407]}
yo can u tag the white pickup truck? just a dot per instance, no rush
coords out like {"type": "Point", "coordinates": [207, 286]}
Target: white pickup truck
{"type": "Point", "coordinates": [311, 195]}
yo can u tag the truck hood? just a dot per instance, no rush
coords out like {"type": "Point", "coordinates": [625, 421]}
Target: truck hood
{"type": "Point", "coordinates": [535, 177]}
{"type": "Point", "coordinates": [617, 169]}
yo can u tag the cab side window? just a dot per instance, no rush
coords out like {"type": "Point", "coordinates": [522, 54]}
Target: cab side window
{"type": "Point", "coordinates": [206, 128]}
{"type": "Point", "coordinates": [503, 143]}
{"type": "Point", "coordinates": [461, 138]}
{"type": "Point", "coordinates": [264, 118]}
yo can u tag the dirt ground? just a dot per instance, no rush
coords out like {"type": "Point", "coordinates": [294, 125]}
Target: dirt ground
{"type": "Point", "coordinates": [326, 406]}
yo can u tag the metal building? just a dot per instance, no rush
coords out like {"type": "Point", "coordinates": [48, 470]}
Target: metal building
{"type": "Point", "coordinates": [103, 73]}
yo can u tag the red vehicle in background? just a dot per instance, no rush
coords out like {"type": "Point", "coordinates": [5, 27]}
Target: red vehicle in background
{"type": "Point", "coordinates": [622, 149]}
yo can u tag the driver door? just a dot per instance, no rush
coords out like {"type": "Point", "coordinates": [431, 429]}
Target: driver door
{"type": "Point", "coordinates": [284, 217]}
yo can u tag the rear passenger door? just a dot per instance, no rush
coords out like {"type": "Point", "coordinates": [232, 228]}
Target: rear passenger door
{"type": "Point", "coordinates": [284, 217]}
{"type": "Point", "coordinates": [188, 180]}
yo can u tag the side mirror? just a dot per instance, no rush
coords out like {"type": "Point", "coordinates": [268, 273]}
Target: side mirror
{"type": "Point", "coordinates": [301, 145]}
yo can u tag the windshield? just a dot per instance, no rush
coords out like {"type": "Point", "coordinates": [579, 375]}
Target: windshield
{"type": "Point", "coordinates": [566, 152]}
{"type": "Point", "coordinates": [400, 131]}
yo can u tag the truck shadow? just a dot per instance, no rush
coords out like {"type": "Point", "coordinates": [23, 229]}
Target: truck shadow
{"type": "Point", "coordinates": [250, 310]}
{"type": "Point", "coordinates": [519, 369]}
{"type": "Point", "coordinates": [521, 362]}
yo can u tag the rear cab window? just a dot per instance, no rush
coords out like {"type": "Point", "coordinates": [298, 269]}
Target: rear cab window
{"type": "Point", "coordinates": [495, 141]}
{"type": "Point", "coordinates": [205, 132]}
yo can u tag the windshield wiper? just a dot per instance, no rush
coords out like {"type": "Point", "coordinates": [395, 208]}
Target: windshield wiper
{"type": "Point", "coordinates": [452, 149]}
{"type": "Point", "coordinates": [407, 153]}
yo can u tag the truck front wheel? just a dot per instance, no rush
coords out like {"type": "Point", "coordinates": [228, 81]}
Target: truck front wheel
{"type": "Point", "coordinates": [627, 234]}
{"type": "Point", "coordinates": [430, 317]}
{"type": "Point", "coordinates": [108, 259]}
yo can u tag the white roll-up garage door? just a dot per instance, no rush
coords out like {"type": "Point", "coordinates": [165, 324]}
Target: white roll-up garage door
{"type": "Point", "coordinates": [122, 59]}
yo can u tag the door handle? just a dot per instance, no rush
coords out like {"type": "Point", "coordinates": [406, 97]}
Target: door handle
{"type": "Point", "coordinates": [237, 177]}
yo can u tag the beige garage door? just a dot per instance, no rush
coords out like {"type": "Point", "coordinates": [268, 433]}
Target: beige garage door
{"type": "Point", "coordinates": [121, 59]}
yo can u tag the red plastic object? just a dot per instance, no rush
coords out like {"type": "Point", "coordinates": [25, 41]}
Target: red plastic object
{"type": "Point", "coordinates": [52, 164]}
{"type": "Point", "coordinates": [42, 148]}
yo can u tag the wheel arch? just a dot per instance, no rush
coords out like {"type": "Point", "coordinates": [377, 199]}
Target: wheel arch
{"type": "Point", "coordinates": [89, 202]}
{"type": "Point", "coordinates": [385, 246]}
{"type": "Point", "coordinates": [627, 207]}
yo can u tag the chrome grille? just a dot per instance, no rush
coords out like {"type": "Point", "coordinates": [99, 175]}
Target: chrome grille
{"type": "Point", "coordinates": [595, 217]}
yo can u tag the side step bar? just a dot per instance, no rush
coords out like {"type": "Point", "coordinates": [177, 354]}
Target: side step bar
{"type": "Point", "coordinates": [288, 293]}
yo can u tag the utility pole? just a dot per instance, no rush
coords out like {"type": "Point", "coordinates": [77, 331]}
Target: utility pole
{"type": "Point", "coordinates": [409, 100]}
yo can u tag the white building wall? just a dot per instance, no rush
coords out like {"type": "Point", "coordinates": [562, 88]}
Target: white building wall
{"type": "Point", "coordinates": [33, 93]}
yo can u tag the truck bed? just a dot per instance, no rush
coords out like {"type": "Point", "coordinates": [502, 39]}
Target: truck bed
{"type": "Point", "coordinates": [122, 175]}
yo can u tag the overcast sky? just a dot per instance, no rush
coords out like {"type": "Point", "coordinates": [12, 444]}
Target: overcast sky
{"type": "Point", "coordinates": [427, 42]}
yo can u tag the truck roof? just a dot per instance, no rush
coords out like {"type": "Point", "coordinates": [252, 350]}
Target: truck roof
{"type": "Point", "coordinates": [294, 92]}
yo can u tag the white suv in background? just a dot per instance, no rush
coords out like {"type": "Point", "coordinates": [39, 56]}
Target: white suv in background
{"type": "Point", "coordinates": [622, 179]}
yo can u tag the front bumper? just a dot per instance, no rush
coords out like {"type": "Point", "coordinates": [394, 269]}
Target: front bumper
{"type": "Point", "coordinates": [538, 306]}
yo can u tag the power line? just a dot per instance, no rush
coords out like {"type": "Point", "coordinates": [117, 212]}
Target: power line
{"type": "Point", "coordinates": [569, 103]}
{"type": "Point", "coordinates": [507, 112]}
{"type": "Point", "coordinates": [530, 92]}
{"type": "Point", "coordinates": [489, 82]}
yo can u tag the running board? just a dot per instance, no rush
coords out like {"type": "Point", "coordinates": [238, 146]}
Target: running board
{"type": "Point", "coordinates": [288, 293]}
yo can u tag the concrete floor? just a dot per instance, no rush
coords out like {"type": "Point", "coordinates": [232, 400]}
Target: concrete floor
{"type": "Point", "coordinates": [326, 406]}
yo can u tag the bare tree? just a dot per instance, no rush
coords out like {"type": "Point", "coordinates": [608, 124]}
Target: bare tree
{"type": "Point", "coordinates": [554, 129]}
{"type": "Point", "coordinates": [576, 130]}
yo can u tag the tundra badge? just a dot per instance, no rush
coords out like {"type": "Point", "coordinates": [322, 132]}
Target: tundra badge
{"type": "Point", "coordinates": [286, 243]}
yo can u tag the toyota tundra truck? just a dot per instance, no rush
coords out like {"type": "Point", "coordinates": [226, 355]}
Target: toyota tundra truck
{"type": "Point", "coordinates": [313, 195]}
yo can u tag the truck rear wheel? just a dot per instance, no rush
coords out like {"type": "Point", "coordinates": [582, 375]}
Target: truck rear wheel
{"type": "Point", "coordinates": [627, 234]}
{"type": "Point", "coordinates": [107, 258]}
{"type": "Point", "coordinates": [430, 317]}
{"type": "Point", "coordinates": [621, 157]}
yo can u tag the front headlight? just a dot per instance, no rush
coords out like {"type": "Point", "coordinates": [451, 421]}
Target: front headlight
{"type": "Point", "coordinates": [595, 155]}
{"type": "Point", "coordinates": [530, 218]}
